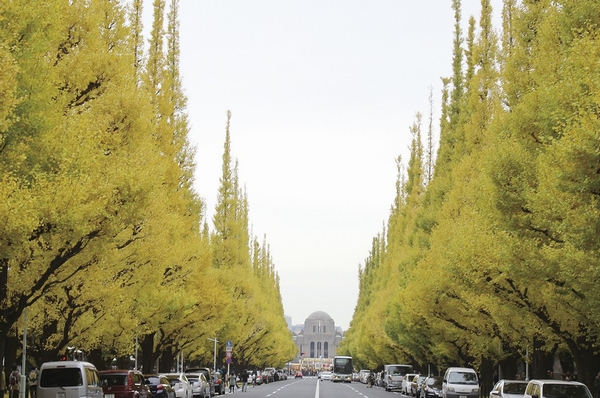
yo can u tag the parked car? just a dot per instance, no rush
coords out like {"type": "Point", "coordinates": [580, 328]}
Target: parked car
{"type": "Point", "coordinates": [432, 387]}
{"type": "Point", "coordinates": [181, 385]}
{"type": "Point", "coordinates": [326, 376]}
{"type": "Point", "coordinates": [69, 379]}
{"type": "Point", "coordinates": [406, 382]}
{"type": "Point", "coordinates": [218, 383]}
{"type": "Point", "coordinates": [119, 383]}
{"type": "Point", "coordinates": [556, 388]}
{"type": "Point", "coordinates": [207, 374]}
{"type": "Point", "coordinates": [416, 384]}
{"type": "Point", "coordinates": [363, 374]}
{"type": "Point", "coordinates": [460, 383]}
{"type": "Point", "coordinates": [267, 377]}
{"type": "Point", "coordinates": [159, 386]}
{"type": "Point", "coordinates": [509, 389]}
{"type": "Point", "coordinates": [200, 386]}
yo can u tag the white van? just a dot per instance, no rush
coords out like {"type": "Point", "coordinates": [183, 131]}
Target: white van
{"type": "Point", "coordinates": [460, 383]}
{"type": "Point", "coordinates": [69, 379]}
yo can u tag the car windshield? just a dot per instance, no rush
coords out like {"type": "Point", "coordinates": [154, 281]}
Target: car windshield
{"type": "Point", "coordinates": [565, 391]}
{"type": "Point", "coordinates": [462, 378]}
{"type": "Point", "coordinates": [515, 388]}
{"type": "Point", "coordinates": [434, 382]}
{"type": "Point", "coordinates": [153, 379]}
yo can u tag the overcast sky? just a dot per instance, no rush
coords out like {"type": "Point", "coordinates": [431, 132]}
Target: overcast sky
{"type": "Point", "coordinates": [322, 94]}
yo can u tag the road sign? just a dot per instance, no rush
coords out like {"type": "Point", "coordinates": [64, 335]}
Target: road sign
{"type": "Point", "coordinates": [228, 360]}
{"type": "Point", "coordinates": [228, 354]}
{"type": "Point", "coordinates": [228, 346]}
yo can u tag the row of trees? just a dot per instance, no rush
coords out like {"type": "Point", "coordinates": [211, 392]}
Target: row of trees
{"type": "Point", "coordinates": [494, 258]}
{"type": "Point", "coordinates": [103, 240]}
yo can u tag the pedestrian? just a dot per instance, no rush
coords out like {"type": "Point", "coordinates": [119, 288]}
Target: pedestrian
{"type": "Point", "coordinates": [597, 385]}
{"type": "Point", "coordinates": [2, 383]}
{"type": "Point", "coordinates": [15, 381]}
{"type": "Point", "coordinates": [33, 381]}
{"type": "Point", "coordinates": [232, 382]}
{"type": "Point", "coordinates": [370, 379]}
{"type": "Point", "coordinates": [244, 378]}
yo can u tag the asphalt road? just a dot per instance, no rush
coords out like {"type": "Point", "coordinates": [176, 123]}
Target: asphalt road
{"type": "Point", "coordinates": [311, 387]}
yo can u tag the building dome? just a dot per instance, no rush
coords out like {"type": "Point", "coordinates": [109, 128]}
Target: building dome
{"type": "Point", "coordinates": [322, 315]}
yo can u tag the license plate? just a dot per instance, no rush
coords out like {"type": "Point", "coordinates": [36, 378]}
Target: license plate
{"type": "Point", "coordinates": [462, 396]}
{"type": "Point", "coordinates": [61, 395]}
{"type": "Point", "coordinates": [113, 396]}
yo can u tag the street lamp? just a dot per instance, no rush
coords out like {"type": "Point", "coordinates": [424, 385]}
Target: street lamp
{"type": "Point", "coordinates": [215, 354]}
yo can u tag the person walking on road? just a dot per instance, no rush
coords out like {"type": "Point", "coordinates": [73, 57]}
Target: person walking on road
{"type": "Point", "coordinates": [244, 378]}
{"type": "Point", "coordinates": [232, 382]}
{"type": "Point", "coordinates": [33, 381]}
{"type": "Point", "coordinates": [15, 381]}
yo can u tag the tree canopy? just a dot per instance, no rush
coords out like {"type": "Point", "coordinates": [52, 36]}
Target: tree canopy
{"type": "Point", "coordinates": [104, 242]}
{"type": "Point", "coordinates": [496, 256]}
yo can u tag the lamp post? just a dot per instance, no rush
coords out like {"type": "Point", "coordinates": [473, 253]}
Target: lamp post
{"type": "Point", "coordinates": [215, 354]}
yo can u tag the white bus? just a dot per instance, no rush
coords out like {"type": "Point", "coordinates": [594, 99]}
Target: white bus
{"type": "Point", "coordinates": [342, 369]}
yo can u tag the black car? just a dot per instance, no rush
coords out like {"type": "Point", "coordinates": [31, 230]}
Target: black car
{"type": "Point", "coordinates": [160, 386]}
{"type": "Point", "coordinates": [432, 387]}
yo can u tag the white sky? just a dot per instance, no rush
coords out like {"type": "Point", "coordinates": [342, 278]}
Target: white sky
{"type": "Point", "coordinates": [322, 94]}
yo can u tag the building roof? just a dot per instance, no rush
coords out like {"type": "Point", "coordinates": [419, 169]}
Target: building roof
{"type": "Point", "coordinates": [322, 315]}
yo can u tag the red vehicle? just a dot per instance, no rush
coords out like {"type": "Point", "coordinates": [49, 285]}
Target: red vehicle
{"type": "Point", "coordinates": [124, 384]}
{"type": "Point", "coordinates": [298, 375]}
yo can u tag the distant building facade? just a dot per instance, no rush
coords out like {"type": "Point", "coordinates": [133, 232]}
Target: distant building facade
{"type": "Point", "coordinates": [319, 339]}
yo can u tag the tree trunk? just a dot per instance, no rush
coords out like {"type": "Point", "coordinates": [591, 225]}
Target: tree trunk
{"type": "Point", "coordinates": [149, 357]}
{"type": "Point", "coordinates": [486, 383]}
{"type": "Point", "coordinates": [541, 361]}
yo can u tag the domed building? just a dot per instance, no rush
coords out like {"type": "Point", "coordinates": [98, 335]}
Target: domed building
{"type": "Point", "coordinates": [318, 341]}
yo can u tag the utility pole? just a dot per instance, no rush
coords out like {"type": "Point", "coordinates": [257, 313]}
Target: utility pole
{"type": "Point", "coordinates": [214, 354]}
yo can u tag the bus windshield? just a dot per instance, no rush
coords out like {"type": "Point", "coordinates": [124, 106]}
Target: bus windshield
{"type": "Point", "coordinates": [343, 365]}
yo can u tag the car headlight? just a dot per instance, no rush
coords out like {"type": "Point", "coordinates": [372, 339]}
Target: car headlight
{"type": "Point", "coordinates": [476, 389]}
{"type": "Point", "coordinates": [451, 389]}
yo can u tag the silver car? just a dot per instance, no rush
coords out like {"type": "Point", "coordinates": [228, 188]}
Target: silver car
{"type": "Point", "coordinates": [181, 384]}
{"type": "Point", "coordinates": [556, 388]}
{"type": "Point", "coordinates": [509, 389]}
{"type": "Point", "coordinates": [200, 386]}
